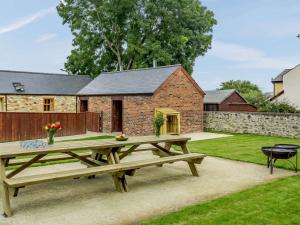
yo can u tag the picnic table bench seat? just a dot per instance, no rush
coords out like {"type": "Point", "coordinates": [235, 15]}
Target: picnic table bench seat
{"type": "Point", "coordinates": [121, 167]}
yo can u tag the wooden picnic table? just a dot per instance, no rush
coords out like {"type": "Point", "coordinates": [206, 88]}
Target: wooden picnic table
{"type": "Point", "coordinates": [106, 157]}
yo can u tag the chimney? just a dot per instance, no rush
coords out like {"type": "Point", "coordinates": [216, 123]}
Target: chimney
{"type": "Point", "coordinates": [154, 63]}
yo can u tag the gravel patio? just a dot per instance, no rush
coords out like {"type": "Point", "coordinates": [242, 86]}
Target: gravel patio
{"type": "Point", "coordinates": [153, 191]}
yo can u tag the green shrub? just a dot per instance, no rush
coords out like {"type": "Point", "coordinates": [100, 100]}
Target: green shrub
{"type": "Point", "coordinates": [158, 121]}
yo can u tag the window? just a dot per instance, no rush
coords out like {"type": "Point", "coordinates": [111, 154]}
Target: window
{"type": "Point", "coordinates": [48, 104]}
{"type": "Point", "coordinates": [211, 107]}
{"type": "Point", "coordinates": [1, 104]}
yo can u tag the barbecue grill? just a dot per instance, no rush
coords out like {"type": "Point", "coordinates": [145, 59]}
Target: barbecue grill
{"type": "Point", "coordinates": [281, 151]}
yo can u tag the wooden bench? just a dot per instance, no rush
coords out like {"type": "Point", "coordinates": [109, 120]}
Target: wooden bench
{"type": "Point", "coordinates": [121, 167]}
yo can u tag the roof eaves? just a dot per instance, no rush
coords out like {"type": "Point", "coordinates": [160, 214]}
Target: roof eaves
{"type": "Point", "coordinates": [44, 73]}
{"type": "Point", "coordinates": [114, 94]}
{"type": "Point", "coordinates": [142, 69]}
{"type": "Point", "coordinates": [277, 95]}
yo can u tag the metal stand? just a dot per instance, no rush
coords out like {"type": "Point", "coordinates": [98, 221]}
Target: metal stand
{"type": "Point", "coordinates": [271, 162]}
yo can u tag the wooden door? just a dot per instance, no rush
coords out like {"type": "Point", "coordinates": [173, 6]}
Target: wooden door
{"type": "Point", "coordinates": [83, 105]}
{"type": "Point", "coordinates": [117, 115]}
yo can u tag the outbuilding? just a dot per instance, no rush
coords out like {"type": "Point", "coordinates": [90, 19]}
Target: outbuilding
{"type": "Point", "coordinates": [226, 100]}
{"type": "Point", "coordinates": [22, 91]}
{"type": "Point", "coordinates": [128, 100]}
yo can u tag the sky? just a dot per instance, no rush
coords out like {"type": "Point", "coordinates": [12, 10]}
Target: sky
{"type": "Point", "coordinates": [253, 40]}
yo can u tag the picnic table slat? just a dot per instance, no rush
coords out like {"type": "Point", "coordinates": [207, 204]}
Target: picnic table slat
{"type": "Point", "coordinates": [14, 162]}
{"type": "Point", "coordinates": [94, 144]}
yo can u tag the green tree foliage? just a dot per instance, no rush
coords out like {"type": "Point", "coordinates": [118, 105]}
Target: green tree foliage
{"type": "Point", "coordinates": [112, 34]}
{"type": "Point", "coordinates": [252, 93]}
{"type": "Point", "coordinates": [247, 89]}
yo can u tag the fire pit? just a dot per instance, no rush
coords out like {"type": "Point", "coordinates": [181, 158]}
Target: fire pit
{"type": "Point", "coordinates": [281, 151]}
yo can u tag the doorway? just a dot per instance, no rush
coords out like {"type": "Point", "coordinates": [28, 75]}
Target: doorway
{"type": "Point", "coordinates": [83, 105]}
{"type": "Point", "coordinates": [117, 115]}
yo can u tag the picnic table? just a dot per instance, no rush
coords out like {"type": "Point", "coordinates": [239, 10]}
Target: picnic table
{"type": "Point", "coordinates": [106, 156]}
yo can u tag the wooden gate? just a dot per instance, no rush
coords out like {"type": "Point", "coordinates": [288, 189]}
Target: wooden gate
{"type": "Point", "coordinates": [93, 121]}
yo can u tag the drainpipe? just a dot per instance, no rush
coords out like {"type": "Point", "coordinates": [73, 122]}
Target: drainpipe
{"type": "Point", "coordinates": [76, 98]}
{"type": "Point", "coordinates": [5, 103]}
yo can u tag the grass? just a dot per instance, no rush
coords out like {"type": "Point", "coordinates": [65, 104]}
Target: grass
{"type": "Point", "coordinates": [242, 147]}
{"type": "Point", "coordinates": [276, 203]}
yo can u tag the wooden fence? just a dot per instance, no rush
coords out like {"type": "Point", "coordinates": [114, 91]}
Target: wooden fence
{"type": "Point", "coordinates": [94, 121]}
{"type": "Point", "coordinates": [16, 126]}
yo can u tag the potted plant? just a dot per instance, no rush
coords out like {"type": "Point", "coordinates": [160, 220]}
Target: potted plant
{"type": "Point", "coordinates": [51, 129]}
{"type": "Point", "coordinates": [158, 122]}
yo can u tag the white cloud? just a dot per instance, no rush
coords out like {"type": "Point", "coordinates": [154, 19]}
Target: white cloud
{"type": "Point", "coordinates": [46, 37]}
{"type": "Point", "coordinates": [246, 57]}
{"type": "Point", "coordinates": [63, 2]}
{"type": "Point", "coordinates": [21, 22]}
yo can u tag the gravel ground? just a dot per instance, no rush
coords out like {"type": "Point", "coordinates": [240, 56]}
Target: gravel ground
{"type": "Point", "coordinates": [152, 191]}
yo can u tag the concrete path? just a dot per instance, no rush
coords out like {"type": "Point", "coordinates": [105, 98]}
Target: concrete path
{"type": "Point", "coordinates": [153, 191]}
{"type": "Point", "coordinates": [205, 135]}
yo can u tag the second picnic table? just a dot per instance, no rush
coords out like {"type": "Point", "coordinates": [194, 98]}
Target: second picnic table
{"type": "Point", "coordinates": [106, 157]}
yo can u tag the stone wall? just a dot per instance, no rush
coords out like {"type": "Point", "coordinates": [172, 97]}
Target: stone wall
{"type": "Point", "coordinates": [35, 103]}
{"type": "Point", "coordinates": [274, 124]}
{"type": "Point", "coordinates": [178, 93]}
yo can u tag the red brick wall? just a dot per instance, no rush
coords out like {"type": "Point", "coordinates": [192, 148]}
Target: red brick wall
{"type": "Point", "coordinates": [178, 93]}
{"type": "Point", "coordinates": [236, 103]}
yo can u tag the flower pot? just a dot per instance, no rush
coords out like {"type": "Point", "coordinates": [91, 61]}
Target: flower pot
{"type": "Point", "coordinates": [50, 138]}
{"type": "Point", "coordinates": [157, 131]}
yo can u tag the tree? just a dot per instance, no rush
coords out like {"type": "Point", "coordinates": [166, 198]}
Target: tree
{"type": "Point", "coordinates": [252, 93]}
{"type": "Point", "coordinates": [247, 89]}
{"type": "Point", "coordinates": [279, 107]}
{"type": "Point", "coordinates": [112, 34]}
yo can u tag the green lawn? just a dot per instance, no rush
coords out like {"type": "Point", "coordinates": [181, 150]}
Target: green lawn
{"type": "Point", "coordinates": [276, 203]}
{"type": "Point", "coordinates": [243, 147]}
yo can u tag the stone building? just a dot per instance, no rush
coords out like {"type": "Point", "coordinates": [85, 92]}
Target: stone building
{"type": "Point", "coordinates": [39, 92]}
{"type": "Point", "coordinates": [226, 100]}
{"type": "Point", "coordinates": [128, 99]}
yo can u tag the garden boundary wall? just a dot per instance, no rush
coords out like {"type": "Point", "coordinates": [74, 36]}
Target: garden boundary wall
{"type": "Point", "coordinates": [273, 124]}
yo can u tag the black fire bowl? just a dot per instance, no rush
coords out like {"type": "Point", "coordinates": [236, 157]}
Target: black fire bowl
{"type": "Point", "coordinates": [281, 151]}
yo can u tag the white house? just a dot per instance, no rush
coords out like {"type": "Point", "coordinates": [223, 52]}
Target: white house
{"type": "Point", "coordinates": [287, 86]}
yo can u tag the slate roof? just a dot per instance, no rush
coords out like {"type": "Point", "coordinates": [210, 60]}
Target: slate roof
{"type": "Point", "coordinates": [279, 77]}
{"type": "Point", "coordinates": [217, 96]}
{"type": "Point", "coordinates": [41, 83]}
{"type": "Point", "coordinates": [139, 81]}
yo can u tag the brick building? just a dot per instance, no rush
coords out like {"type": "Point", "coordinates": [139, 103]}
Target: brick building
{"type": "Point", "coordinates": [39, 92]}
{"type": "Point", "coordinates": [226, 100]}
{"type": "Point", "coordinates": [128, 99]}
